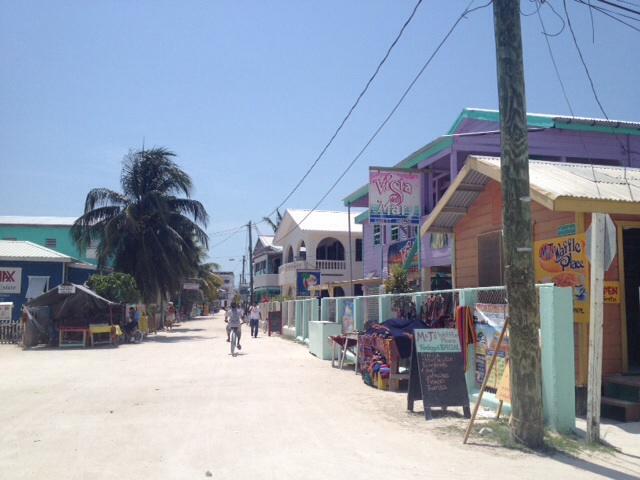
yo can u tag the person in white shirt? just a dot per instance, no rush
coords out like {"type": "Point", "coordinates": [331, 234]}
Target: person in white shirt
{"type": "Point", "coordinates": [234, 318]}
{"type": "Point", "coordinates": [254, 319]}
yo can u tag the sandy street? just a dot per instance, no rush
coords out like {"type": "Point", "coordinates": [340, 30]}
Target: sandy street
{"type": "Point", "coordinates": [179, 406]}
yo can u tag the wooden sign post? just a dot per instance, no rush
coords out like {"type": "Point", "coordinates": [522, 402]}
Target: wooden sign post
{"type": "Point", "coordinates": [437, 372]}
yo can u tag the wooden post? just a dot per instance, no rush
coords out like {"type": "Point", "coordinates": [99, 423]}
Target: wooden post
{"type": "Point", "coordinates": [595, 327]}
{"type": "Point", "coordinates": [525, 356]}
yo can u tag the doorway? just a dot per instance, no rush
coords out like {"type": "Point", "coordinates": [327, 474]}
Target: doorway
{"type": "Point", "coordinates": [631, 249]}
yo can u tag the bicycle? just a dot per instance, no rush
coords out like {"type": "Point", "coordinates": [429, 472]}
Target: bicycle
{"type": "Point", "coordinates": [234, 339]}
{"type": "Point", "coordinates": [135, 336]}
{"type": "Point", "coordinates": [233, 332]}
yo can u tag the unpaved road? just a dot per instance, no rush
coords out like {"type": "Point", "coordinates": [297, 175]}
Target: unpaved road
{"type": "Point", "coordinates": [178, 406]}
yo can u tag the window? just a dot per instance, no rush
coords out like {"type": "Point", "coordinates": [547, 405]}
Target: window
{"type": "Point", "coordinates": [50, 242]}
{"type": "Point", "coordinates": [37, 286]}
{"type": "Point", "coordinates": [358, 249]}
{"type": "Point", "coordinates": [377, 235]}
{"type": "Point", "coordinates": [395, 233]}
{"type": "Point", "coordinates": [490, 260]}
{"type": "Point", "coordinates": [92, 250]}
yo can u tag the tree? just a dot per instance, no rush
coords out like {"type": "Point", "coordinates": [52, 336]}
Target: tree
{"type": "Point", "coordinates": [117, 287]}
{"type": "Point", "coordinates": [397, 283]}
{"type": "Point", "coordinates": [273, 224]}
{"type": "Point", "coordinates": [146, 231]}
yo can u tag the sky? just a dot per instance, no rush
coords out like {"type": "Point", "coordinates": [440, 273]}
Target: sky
{"type": "Point", "coordinates": [248, 93]}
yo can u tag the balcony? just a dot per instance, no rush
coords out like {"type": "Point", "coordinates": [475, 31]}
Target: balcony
{"type": "Point", "coordinates": [265, 280]}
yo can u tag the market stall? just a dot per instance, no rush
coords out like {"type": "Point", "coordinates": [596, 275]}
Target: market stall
{"type": "Point", "coordinates": [73, 309]}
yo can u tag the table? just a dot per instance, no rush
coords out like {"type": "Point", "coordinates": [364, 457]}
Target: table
{"type": "Point", "coordinates": [67, 337]}
{"type": "Point", "coordinates": [98, 331]}
{"type": "Point", "coordinates": [349, 342]}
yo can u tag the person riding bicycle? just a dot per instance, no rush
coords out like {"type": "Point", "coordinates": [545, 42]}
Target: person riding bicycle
{"type": "Point", "coordinates": [234, 318]}
{"type": "Point", "coordinates": [132, 321]}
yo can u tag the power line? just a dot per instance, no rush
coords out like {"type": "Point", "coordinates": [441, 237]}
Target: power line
{"type": "Point", "coordinates": [353, 107]}
{"type": "Point", "coordinates": [404, 95]}
{"type": "Point", "coordinates": [593, 89]}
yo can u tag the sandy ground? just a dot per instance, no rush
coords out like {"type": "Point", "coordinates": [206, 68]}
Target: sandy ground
{"type": "Point", "coordinates": [179, 406]}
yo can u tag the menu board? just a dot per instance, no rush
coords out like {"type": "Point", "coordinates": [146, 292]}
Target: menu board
{"type": "Point", "coordinates": [275, 322]}
{"type": "Point", "coordinates": [437, 371]}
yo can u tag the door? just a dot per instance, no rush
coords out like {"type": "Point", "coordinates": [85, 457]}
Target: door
{"type": "Point", "coordinates": [631, 246]}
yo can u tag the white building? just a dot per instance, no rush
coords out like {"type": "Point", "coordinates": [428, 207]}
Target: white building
{"type": "Point", "coordinates": [318, 247]}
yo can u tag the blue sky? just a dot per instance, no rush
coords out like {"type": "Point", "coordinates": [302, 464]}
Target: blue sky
{"type": "Point", "coordinates": [247, 93]}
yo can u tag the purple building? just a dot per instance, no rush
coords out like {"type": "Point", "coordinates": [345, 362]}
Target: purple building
{"type": "Point", "coordinates": [477, 132]}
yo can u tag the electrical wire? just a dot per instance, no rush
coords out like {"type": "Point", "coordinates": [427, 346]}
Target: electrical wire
{"type": "Point", "coordinates": [353, 107]}
{"type": "Point", "coordinates": [593, 89]}
{"type": "Point", "coordinates": [403, 96]}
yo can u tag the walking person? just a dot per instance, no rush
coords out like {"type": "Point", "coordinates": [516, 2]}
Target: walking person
{"type": "Point", "coordinates": [171, 316]}
{"type": "Point", "coordinates": [254, 318]}
{"type": "Point", "coordinates": [234, 318]}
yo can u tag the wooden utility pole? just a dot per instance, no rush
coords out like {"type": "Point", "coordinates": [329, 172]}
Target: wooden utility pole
{"type": "Point", "coordinates": [525, 360]}
{"type": "Point", "coordinates": [250, 264]}
{"type": "Point", "coordinates": [596, 322]}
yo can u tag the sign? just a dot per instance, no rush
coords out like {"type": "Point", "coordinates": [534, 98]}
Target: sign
{"type": "Point", "coordinates": [306, 280]}
{"type": "Point", "coordinates": [568, 229]}
{"type": "Point", "coordinates": [611, 292]}
{"type": "Point", "coordinates": [610, 245]}
{"type": "Point", "coordinates": [275, 322]}
{"type": "Point", "coordinates": [437, 371]}
{"type": "Point", "coordinates": [490, 322]}
{"type": "Point", "coordinates": [405, 254]}
{"type": "Point", "coordinates": [563, 262]}
{"type": "Point", "coordinates": [10, 280]}
{"type": "Point", "coordinates": [394, 196]}
{"type": "Point", "coordinates": [5, 311]}
{"type": "Point", "coordinates": [66, 289]}
{"type": "Point", "coordinates": [504, 388]}
{"type": "Point", "coordinates": [347, 317]}
{"type": "Point", "coordinates": [191, 286]}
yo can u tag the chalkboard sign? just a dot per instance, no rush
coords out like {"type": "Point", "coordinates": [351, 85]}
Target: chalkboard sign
{"type": "Point", "coordinates": [275, 322]}
{"type": "Point", "coordinates": [437, 372]}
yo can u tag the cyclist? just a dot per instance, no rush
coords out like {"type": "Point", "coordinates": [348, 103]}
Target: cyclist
{"type": "Point", "coordinates": [132, 321]}
{"type": "Point", "coordinates": [234, 318]}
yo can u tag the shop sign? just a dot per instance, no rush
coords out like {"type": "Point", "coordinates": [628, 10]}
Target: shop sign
{"type": "Point", "coordinates": [563, 262]}
{"type": "Point", "coordinates": [66, 289]}
{"type": "Point", "coordinates": [5, 310]}
{"type": "Point", "coordinates": [490, 322]}
{"type": "Point", "coordinates": [10, 280]}
{"type": "Point", "coordinates": [567, 229]}
{"type": "Point", "coordinates": [394, 196]}
{"type": "Point", "coordinates": [405, 254]}
{"type": "Point", "coordinates": [191, 286]}
{"type": "Point", "coordinates": [611, 292]}
{"type": "Point", "coordinates": [306, 280]}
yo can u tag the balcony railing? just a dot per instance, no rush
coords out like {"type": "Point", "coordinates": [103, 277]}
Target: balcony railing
{"type": "Point", "coordinates": [319, 265]}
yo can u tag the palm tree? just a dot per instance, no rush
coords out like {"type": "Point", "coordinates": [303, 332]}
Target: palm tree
{"type": "Point", "coordinates": [146, 231]}
{"type": "Point", "coordinates": [273, 224]}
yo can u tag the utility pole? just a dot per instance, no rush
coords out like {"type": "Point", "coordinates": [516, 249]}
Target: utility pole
{"type": "Point", "coordinates": [517, 236]}
{"type": "Point", "coordinates": [250, 264]}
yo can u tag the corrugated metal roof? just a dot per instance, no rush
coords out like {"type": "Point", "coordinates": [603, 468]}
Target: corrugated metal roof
{"type": "Point", "coordinates": [19, 250]}
{"type": "Point", "coordinates": [568, 187]}
{"type": "Point", "coordinates": [324, 221]}
{"type": "Point", "coordinates": [37, 221]}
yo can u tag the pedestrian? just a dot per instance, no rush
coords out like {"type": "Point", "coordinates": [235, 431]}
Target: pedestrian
{"type": "Point", "coordinates": [254, 319]}
{"type": "Point", "coordinates": [171, 316]}
{"type": "Point", "coordinates": [133, 321]}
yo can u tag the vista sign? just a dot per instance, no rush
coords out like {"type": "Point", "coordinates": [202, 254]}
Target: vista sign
{"type": "Point", "coordinates": [394, 196]}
